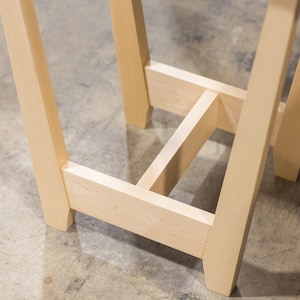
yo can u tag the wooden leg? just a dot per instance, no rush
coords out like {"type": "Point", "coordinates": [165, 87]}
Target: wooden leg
{"type": "Point", "coordinates": [38, 108]}
{"type": "Point", "coordinates": [286, 149]}
{"type": "Point", "coordinates": [133, 55]}
{"type": "Point", "coordinates": [227, 239]}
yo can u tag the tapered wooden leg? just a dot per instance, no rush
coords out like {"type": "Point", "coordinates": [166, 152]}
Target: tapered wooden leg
{"type": "Point", "coordinates": [38, 108]}
{"type": "Point", "coordinates": [233, 216]}
{"type": "Point", "coordinates": [286, 149]}
{"type": "Point", "coordinates": [133, 55]}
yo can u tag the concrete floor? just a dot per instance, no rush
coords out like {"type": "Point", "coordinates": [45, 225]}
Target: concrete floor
{"type": "Point", "coordinates": [94, 260]}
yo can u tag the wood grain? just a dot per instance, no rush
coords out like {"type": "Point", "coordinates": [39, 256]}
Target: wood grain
{"type": "Point", "coordinates": [132, 55]}
{"type": "Point", "coordinates": [286, 150]}
{"type": "Point", "coordinates": [38, 108]}
{"type": "Point", "coordinates": [183, 146]}
{"type": "Point", "coordinates": [228, 235]}
{"type": "Point", "coordinates": [176, 91]}
{"type": "Point", "coordinates": [143, 212]}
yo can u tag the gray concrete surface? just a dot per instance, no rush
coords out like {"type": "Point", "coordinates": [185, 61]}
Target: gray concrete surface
{"type": "Point", "coordinates": [94, 260]}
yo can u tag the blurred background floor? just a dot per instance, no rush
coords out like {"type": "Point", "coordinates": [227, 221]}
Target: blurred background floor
{"type": "Point", "coordinates": [94, 260]}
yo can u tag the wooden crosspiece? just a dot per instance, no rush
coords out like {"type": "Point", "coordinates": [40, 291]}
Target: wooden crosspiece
{"type": "Point", "coordinates": [256, 116]}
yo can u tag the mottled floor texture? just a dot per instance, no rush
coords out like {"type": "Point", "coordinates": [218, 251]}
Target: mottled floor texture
{"type": "Point", "coordinates": [94, 260]}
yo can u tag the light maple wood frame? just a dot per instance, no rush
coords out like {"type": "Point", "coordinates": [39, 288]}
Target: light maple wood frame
{"type": "Point", "coordinates": [254, 116]}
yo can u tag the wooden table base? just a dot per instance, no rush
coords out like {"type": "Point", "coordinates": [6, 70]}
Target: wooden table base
{"type": "Point", "coordinates": [254, 116]}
